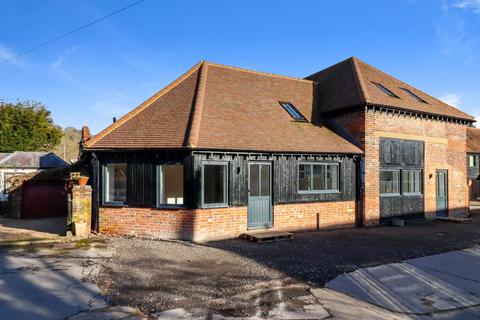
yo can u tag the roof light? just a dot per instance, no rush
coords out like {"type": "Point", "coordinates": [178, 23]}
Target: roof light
{"type": "Point", "coordinates": [292, 111]}
{"type": "Point", "coordinates": [413, 95]}
{"type": "Point", "coordinates": [385, 90]}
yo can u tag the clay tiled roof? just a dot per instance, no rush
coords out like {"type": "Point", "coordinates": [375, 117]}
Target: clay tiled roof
{"type": "Point", "coordinates": [351, 83]}
{"type": "Point", "coordinates": [473, 140]}
{"type": "Point", "coordinates": [218, 107]}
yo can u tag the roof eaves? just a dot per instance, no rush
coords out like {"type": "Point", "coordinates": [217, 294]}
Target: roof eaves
{"type": "Point", "coordinates": [141, 107]}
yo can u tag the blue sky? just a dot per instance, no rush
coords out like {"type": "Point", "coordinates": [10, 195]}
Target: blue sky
{"type": "Point", "coordinates": [111, 67]}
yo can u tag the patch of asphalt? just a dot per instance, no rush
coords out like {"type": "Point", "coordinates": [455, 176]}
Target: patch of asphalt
{"type": "Point", "coordinates": [49, 281]}
{"type": "Point", "coordinates": [155, 275]}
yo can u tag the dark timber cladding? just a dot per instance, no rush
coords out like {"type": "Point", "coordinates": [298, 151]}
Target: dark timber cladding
{"type": "Point", "coordinates": [284, 178]}
{"type": "Point", "coordinates": [402, 157]}
{"type": "Point", "coordinates": [142, 184]}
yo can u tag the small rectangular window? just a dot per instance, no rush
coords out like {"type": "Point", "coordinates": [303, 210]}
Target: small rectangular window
{"type": "Point", "coordinates": [214, 184]}
{"type": "Point", "coordinates": [170, 185]}
{"type": "Point", "coordinates": [471, 161]}
{"type": "Point", "coordinates": [318, 177]}
{"type": "Point", "coordinates": [412, 182]}
{"type": "Point", "coordinates": [292, 111]}
{"type": "Point", "coordinates": [413, 95]}
{"type": "Point", "coordinates": [115, 183]}
{"type": "Point", "coordinates": [390, 182]}
{"type": "Point", "coordinates": [385, 90]}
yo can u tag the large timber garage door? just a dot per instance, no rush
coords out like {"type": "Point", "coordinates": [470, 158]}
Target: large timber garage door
{"type": "Point", "coordinates": [44, 199]}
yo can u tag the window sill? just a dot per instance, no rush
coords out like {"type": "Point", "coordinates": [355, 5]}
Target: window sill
{"type": "Point", "coordinates": [114, 204]}
{"type": "Point", "coordinates": [172, 206]}
{"type": "Point", "coordinates": [213, 206]}
{"type": "Point", "coordinates": [390, 195]}
{"type": "Point", "coordinates": [320, 192]}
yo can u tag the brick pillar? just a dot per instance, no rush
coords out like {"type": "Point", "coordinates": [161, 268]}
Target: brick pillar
{"type": "Point", "coordinates": [82, 208]}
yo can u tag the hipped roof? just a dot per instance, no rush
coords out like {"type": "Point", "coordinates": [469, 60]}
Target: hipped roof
{"type": "Point", "coordinates": [352, 83]}
{"type": "Point", "coordinates": [216, 107]}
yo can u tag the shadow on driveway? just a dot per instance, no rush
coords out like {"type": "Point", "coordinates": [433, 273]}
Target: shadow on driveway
{"type": "Point", "coordinates": [20, 229]}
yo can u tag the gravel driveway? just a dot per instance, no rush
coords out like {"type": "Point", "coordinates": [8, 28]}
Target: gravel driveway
{"type": "Point", "coordinates": [234, 277]}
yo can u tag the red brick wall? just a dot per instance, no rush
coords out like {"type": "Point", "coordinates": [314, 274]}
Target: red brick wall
{"type": "Point", "coordinates": [221, 223]}
{"type": "Point", "coordinates": [445, 148]}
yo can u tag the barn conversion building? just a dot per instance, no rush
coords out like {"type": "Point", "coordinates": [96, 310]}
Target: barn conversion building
{"type": "Point", "coordinates": [223, 150]}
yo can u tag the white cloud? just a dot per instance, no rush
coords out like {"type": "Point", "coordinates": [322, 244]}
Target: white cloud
{"type": "Point", "coordinates": [7, 54]}
{"type": "Point", "coordinates": [468, 5]}
{"type": "Point", "coordinates": [452, 99]}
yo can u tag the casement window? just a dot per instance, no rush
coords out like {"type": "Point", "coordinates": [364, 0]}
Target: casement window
{"type": "Point", "coordinates": [115, 183]}
{"type": "Point", "coordinates": [471, 161]}
{"type": "Point", "coordinates": [412, 181]}
{"type": "Point", "coordinates": [214, 184]}
{"type": "Point", "coordinates": [390, 182]}
{"type": "Point", "coordinates": [318, 177]}
{"type": "Point", "coordinates": [170, 185]}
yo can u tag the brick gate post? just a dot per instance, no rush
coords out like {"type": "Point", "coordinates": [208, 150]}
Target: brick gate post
{"type": "Point", "coordinates": [81, 210]}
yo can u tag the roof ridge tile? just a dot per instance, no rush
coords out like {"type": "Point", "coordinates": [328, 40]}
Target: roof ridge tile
{"type": "Point", "coordinates": [359, 79]}
{"type": "Point", "coordinates": [197, 110]}
{"type": "Point", "coordinates": [214, 64]}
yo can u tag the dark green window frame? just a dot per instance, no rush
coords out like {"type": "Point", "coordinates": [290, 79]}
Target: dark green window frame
{"type": "Point", "coordinates": [225, 179]}
{"type": "Point", "coordinates": [393, 184]}
{"type": "Point", "coordinates": [412, 182]}
{"type": "Point", "coordinates": [328, 178]}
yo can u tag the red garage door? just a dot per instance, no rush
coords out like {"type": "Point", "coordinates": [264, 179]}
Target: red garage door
{"type": "Point", "coordinates": [41, 200]}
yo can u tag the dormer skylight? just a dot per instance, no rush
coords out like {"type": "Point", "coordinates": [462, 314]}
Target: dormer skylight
{"type": "Point", "coordinates": [385, 90]}
{"type": "Point", "coordinates": [413, 95]}
{"type": "Point", "coordinates": [292, 111]}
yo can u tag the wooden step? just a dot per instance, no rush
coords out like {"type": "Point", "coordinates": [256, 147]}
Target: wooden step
{"type": "Point", "coordinates": [267, 236]}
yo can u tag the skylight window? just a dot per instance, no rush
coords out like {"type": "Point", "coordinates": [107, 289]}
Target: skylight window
{"type": "Point", "coordinates": [413, 95]}
{"type": "Point", "coordinates": [385, 90]}
{"type": "Point", "coordinates": [292, 111]}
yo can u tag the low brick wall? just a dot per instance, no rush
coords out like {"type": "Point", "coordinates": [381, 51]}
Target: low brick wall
{"type": "Point", "coordinates": [221, 223]}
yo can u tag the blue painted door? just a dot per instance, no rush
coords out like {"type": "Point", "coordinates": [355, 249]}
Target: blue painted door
{"type": "Point", "coordinates": [259, 196]}
{"type": "Point", "coordinates": [442, 193]}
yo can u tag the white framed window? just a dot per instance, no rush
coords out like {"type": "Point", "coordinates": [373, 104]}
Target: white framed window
{"type": "Point", "coordinates": [115, 183]}
{"type": "Point", "coordinates": [170, 183]}
{"type": "Point", "coordinates": [318, 177]}
{"type": "Point", "coordinates": [471, 161]}
{"type": "Point", "coordinates": [214, 184]}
